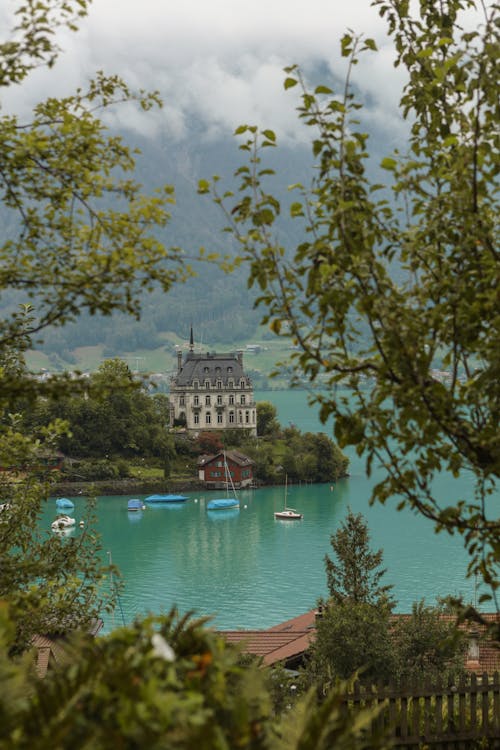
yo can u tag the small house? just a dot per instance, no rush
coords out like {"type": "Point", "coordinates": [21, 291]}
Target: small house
{"type": "Point", "coordinates": [226, 467]}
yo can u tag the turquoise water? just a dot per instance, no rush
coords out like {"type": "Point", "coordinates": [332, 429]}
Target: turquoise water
{"type": "Point", "coordinates": [248, 570]}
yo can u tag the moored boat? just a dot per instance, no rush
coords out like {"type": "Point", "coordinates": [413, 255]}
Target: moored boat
{"type": "Point", "coordinates": [166, 499]}
{"type": "Point", "coordinates": [229, 502]}
{"type": "Point", "coordinates": [288, 514]}
{"type": "Point", "coordinates": [64, 502]}
{"type": "Point", "coordinates": [223, 503]}
{"type": "Point", "coordinates": [135, 505]}
{"type": "Point", "coordinates": [62, 522]}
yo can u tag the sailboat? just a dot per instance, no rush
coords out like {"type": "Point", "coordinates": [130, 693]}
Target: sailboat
{"type": "Point", "coordinates": [228, 502]}
{"type": "Point", "coordinates": [288, 514]}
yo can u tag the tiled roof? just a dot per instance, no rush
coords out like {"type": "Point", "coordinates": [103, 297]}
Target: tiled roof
{"type": "Point", "coordinates": [290, 639]}
{"type": "Point", "coordinates": [271, 646]}
{"type": "Point", "coordinates": [280, 643]}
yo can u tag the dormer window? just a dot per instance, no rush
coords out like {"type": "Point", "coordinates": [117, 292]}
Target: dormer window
{"type": "Point", "coordinates": [242, 383]}
{"type": "Point", "coordinates": [229, 370]}
{"type": "Point", "coordinates": [206, 369]}
{"type": "Point", "coordinates": [207, 383]}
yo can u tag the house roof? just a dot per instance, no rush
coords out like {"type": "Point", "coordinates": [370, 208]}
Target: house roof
{"type": "Point", "coordinates": [281, 643]}
{"type": "Point", "coordinates": [290, 639]}
{"type": "Point", "coordinates": [234, 456]}
{"type": "Point", "coordinates": [212, 367]}
{"type": "Point", "coordinates": [50, 651]}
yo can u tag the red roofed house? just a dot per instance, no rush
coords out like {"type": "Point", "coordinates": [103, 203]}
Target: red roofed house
{"type": "Point", "coordinates": [212, 472]}
{"type": "Point", "coordinates": [288, 642]}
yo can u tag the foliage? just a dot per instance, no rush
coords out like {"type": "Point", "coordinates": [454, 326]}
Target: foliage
{"type": "Point", "coordinates": [356, 574]}
{"type": "Point", "coordinates": [436, 222]}
{"type": "Point", "coordinates": [267, 423]}
{"type": "Point", "coordinates": [353, 631]}
{"type": "Point", "coordinates": [429, 644]}
{"type": "Point", "coordinates": [162, 682]}
{"type": "Point", "coordinates": [113, 416]}
{"type": "Point", "coordinates": [32, 43]}
{"type": "Point", "coordinates": [356, 630]}
{"type": "Point", "coordinates": [351, 636]}
{"type": "Point", "coordinates": [52, 583]}
{"type": "Point", "coordinates": [301, 456]}
{"type": "Point", "coordinates": [78, 235]}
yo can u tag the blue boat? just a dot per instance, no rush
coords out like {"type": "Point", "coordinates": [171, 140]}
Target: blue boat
{"type": "Point", "coordinates": [166, 499]}
{"type": "Point", "coordinates": [223, 503]}
{"type": "Point", "coordinates": [135, 505]}
{"type": "Point", "coordinates": [64, 502]}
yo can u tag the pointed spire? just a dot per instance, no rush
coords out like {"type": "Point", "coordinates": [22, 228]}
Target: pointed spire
{"type": "Point", "coordinates": [191, 341]}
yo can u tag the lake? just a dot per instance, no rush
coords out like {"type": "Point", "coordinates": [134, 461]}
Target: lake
{"type": "Point", "coordinates": [248, 570]}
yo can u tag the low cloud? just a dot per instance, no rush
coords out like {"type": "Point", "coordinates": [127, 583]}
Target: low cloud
{"type": "Point", "coordinates": [220, 63]}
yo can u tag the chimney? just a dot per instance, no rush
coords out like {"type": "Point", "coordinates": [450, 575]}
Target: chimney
{"type": "Point", "coordinates": [240, 357]}
{"type": "Point", "coordinates": [179, 361]}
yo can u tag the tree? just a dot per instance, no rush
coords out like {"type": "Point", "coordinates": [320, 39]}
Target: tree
{"type": "Point", "coordinates": [78, 235]}
{"type": "Point", "coordinates": [356, 575]}
{"type": "Point", "coordinates": [354, 631]}
{"type": "Point", "coordinates": [428, 644]}
{"type": "Point", "coordinates": [393, 282]}
{"type": "Point", "coordinates": [267, 423]}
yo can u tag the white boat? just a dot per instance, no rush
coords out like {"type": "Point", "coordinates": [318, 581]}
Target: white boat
{"type": "Point", "coordinates": [230, 502]}
{"type": "Point", "coordinates": [288, 514]}
{"type": "Point", "coordinates": [62, 522]}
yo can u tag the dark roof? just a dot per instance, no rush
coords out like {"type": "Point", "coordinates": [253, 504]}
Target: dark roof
{"type": "Point", "coordinates": [233, 456]}
{"type": "Point", "coordinates": [212, 367]}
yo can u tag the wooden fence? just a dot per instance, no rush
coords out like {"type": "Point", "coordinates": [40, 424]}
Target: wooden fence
{"type": "Point", "coordinates": [434, 716]}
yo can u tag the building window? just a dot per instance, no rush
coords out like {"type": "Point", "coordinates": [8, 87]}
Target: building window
{"type": "Point", "coordinates": [207, 400]}
{"type": "Point", "coordinates": [196, 383]}
{"type": "Point", "coordinates": [219, 417]}
{"type": "Point", "coordinates": [207, 383]}
{"type": "Point", "coordinates": [243, 399]}
{"type": "Point", "coordinates": [230, 383]}
{"type": "Point", "coordinates": [231, 400]}
{"type": "Point", "coordinates": [208, 417]}
{"type": "Point", "coordinates": [231, 417]}
{"type": "Point", "coordinates": [181, 401]}
{"type": "Point", "coordinates": [219, 384]}
{"type": "Point", "coordinates": [229, 370]}
{"type": "Point", "coordinates": [219, 400]}
{"type": "Point", "coordinates": [205, 369]}
{"type": "Point", "coordinates": [196, 401]}
{"type": "Point", "coordinates": [240, 417]}
{"type": "Point", "coordinates": [242, 383]}
{"type": "Point", "coordinates": [196, 419]}
{"type": "Point", "coordinates": [247, 417]}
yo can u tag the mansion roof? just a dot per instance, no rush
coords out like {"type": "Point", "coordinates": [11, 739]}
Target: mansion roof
{"type": "Point", "coordinates": [212, 367]}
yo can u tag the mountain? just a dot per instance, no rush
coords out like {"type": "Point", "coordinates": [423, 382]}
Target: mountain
{"type": "Point", "coordinates": [218, 305]}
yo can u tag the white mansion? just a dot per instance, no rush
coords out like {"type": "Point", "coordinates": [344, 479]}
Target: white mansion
{"type": "Point", "coordinates": [212, 392]}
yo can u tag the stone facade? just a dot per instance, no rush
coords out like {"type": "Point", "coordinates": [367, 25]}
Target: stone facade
{"type": "Point", "coordinates": [211, 392]}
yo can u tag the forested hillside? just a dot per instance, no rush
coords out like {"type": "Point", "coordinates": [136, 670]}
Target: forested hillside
{"type": "Point", "coordinates": [218, 305]}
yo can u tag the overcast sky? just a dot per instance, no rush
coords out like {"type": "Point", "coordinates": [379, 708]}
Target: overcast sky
{"type": "Point", "coordinates": [220, 61]}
